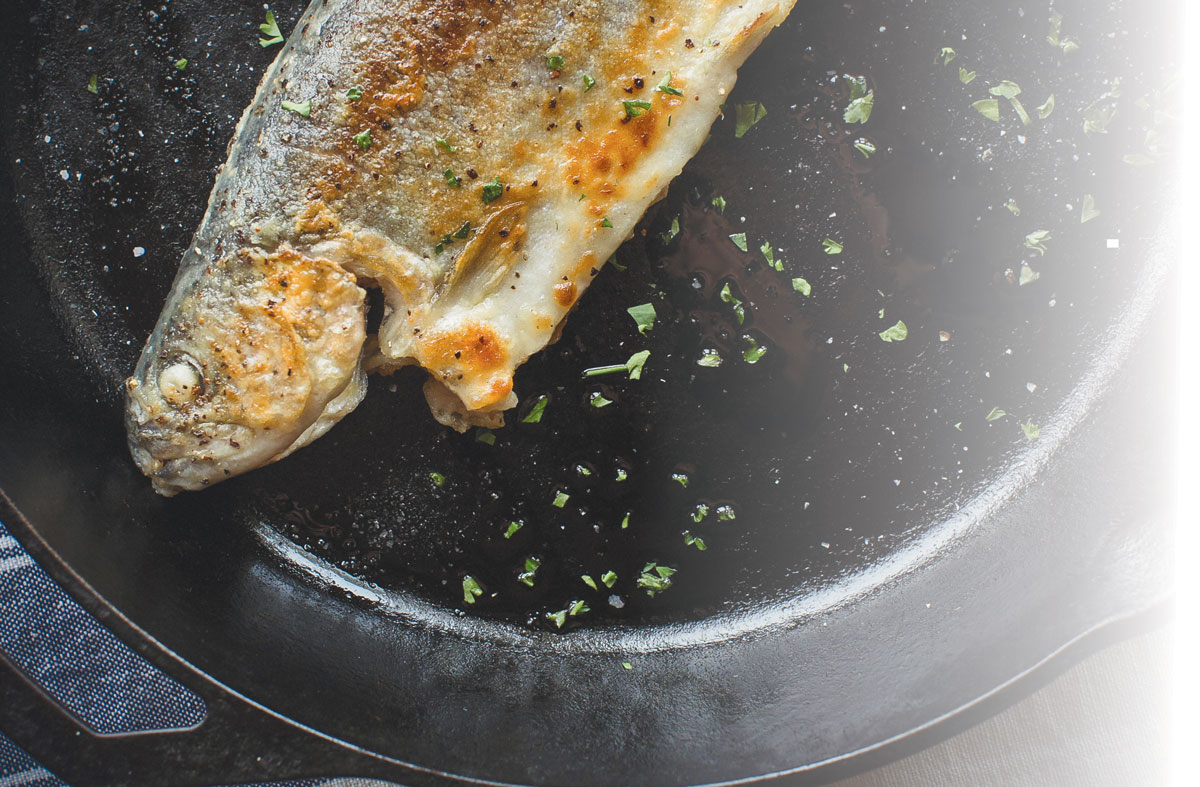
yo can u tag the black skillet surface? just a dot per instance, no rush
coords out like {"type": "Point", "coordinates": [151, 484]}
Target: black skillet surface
{"type": "Point", "coordinates": [895, 555]}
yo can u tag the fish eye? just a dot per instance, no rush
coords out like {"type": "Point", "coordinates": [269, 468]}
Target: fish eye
{"type": "Point", "coordinates": [180, 382]}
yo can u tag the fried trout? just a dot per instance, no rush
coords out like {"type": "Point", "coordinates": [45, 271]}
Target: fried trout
{"type": "Point", "coordinates": [476, 160]}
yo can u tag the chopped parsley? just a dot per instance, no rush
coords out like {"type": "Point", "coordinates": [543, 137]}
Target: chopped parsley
{"type": "Point", "coordinates": [270, 29]}
{"type": "Point", "coordinates": [626, 665]}
{"type": "Point", "coordinates": [452, 179]}
{"type": "Point", "coordinates": [587, 580]}
{"type": "Point", "coordinates": [671, 231]}
{"type": "Point", "coordinates": [560, 499]}
{"type": "Point", "coordinates": [535, 413]}
{"type": "Point", "coordinates": [1028, 276]}
{"type": "Point", "coordinates": [1045, 109]}
{"type": "Point", "coordinates": [485, 436]}
{"type": "Point", "coordinates": [995, 415]}
{"type": "Point", "coordinates": [726, 514]}
{"type": "Point", "coordinates": [633, 366]}
{"type": "Point", "coordinates": [655, 578]}
{"type": "Point", "coordinates": [832, 246]}
{"type": "Point", "coordinates": [947, 54]}
{"type": "Point", "coordinates": [1137, 159]}
{"type": "Point", "coordinates": [864, 146]}
{"type": "Point", "coordinates": [738, 309]}
{"type": "Point", "coordinates": [446, 146]}
{"type": "Point", "coordinates": [555, 62]}
{"type": "Point", "coordinates": [622, 474]}
{"type": "Point", "coordinates": [1010, 90]}
{"type": "Point", "coordinates": [769, 255]}
{"type": "Point", "coordinates": [181, 64]}
{"type": "Point", "coordinates": [492, 191]}
{"type": "Point", "coordinates": [665, 87]}
{"type": "Point", "coordinates": [578, 608]}
{"type": "Point", "coordinates": [862, 101]}
{"type": "Point", "coordinates": [635, 108]}
{"type": "Point", "coordinates": [363, 139]}
{"type": "Point", "coordinates": [588, 83]}
{"type": "Point", "coordinates": [93, 85]}
{"type": "Point", "coordinates": [680, 478]}
{"type": "Point", "coordinates": [1031, 430]}
{"type": "Point", "coordinates": [958, 426]}
{"type": "Point", "coordinates": [526, 577]}
{"type": "Point", "coordinates": [695, 541]}
{"type": "Point", "coordinates": [625, 521]}
{"type": "Point", "coordinates": [599, 400]}
{"type": "Point", "coordinates": [1013, 207]}
{"type": "Point", "coordinates": [1088, 211]}
{"type": "Point", "coordinates": [754, 352]}
{"type": "Point", "coordinates": [354, 94]}
{"type": "Point", "coordinates": [471, 589]}
{"type": "Point", "coordinates": [449, 238]}
{"type": "Point", "coordinates": [1036, 240]}
{"type": "Point", "coordinates": [802, 286]}
{"type": "Point", "coordinates": [989, 108]}
{"type": "Point", "coordinates": [303, 109]}
{"type": "Point", "coordinates": [710, 358]}
{"type": "Point", "coordinates": [609, 578]}
{"type": "Point", "coordinates": [644, 315]}
{"type": "Point", "coordinates": [719, 203]}
{"type": "Point", "coordinates": [513, 527]}
{"type": "Point", "coordinates": [559, 617]}
{"type": "Point", "coordinates": [1098, 114]}
{"type": "Point", "coordinates": [739, 240]}
{"type": "Point", "coordinates": [747, 117]}
{"type": "Point", "coordinates": [897, 333]}
{"type": "Point", "coordinates": [699, 512]}
{"type": "Point", "coordinates": [605, 222]}
{"type": "Point", "coordinates": [965, 76]}
{"type": "Point", "coordinates": [437, 478]}
{"type": "Point", "coordinates": [1054, 38]}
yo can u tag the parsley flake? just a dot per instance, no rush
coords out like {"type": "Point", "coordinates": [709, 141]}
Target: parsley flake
{"type": "Point", "coordinates": [526, 577]}
{"type": "Point", "coordinates": [578, 608]}
{"type": "Point", "coordinates": [738, 309]}
{"type": "Point", "coordinates": [446, 146]}
{"type": "Point", "coordinates": [609, 578]}
{"type": "Point", "coordinates": [719, 204]}
{"type": "Point", "coordinates": [599, 400]}
{"type": "Point", "coordinates": [452, 179]}
{"type": "Point", "coordinates": [864, 146]}
{"type": "Point", "coordinates": [989, 108]}
{"type": "Point", "coordinates": [513, 527]}
{"type": "Point", "coordinates": [587, 580]}
{"type": "Point", "coordinates": [303, 109]}
{"type": "Point", "coordinates": [626, 665]}
{"type": "Point", "coordinates": [739, 240]}
{"type": "Point", "coordinates": [535, 413]}
{"type": "Point", "coordinates": [1036, 240]}
{"type": "Point", "coordinates": [560, 499]}
{"type": "Point", "coordinates": [862, 101]}
{"type": "Point", "coordinates": [699, 512]}
{"type": "Point", "coordinates": [947, 54]}
{"type": "Point", "coordinates": [555, 62]}
{"type": "Point", "coordinates": [485, 436]}
{"type": "Point", "coordinates": [93, 85]}
{"type": "Point", "coordinates": [695, 541]}
{"type": "Point", "coordinates": [680, 478]}
{"type": "Point", "coordinates": [644, 315]}
{"type": "Point", "coordinates": [1013, 207]}
{"type": "Point", "coordinates": [1031, 430]}
{"type": "Point", "coordinates": [363, 139]}
{"type": "Point", "coordinates": [605, 222]}
{"type": "Point", "coordinates": [635, 108]}
{"type": "Point", "coordinates": [710, 359]}
{"type": "Point", "coordinates": [1045, 109]}
{"type": "Point", "coordinates": [769, 255]}
{"type": "Point", "coordinates": [181, 64]}
{"type": "Point", "coordinates": [747, 117]}
{"type": "Point", "coordinates": [897, 333]}
{"type": "Point", "coordinates": [802, 286]}
{"type": "Point", "coordinates": [1088, 211]}
{"type": "Point", "coordinates": [588, 83]}
{"type": "Point", "coordinates": [671, 231]}
{"type": "Point", "coordinates": [726, 514]}
{"type": "Point", "coordinates": [1028, 276]}
{"type": "Point", "coordinates": [832, 246]}
{"type": "Point", "coordinates": [995, 415]}
{"type": "Point", "coordinates": [1054, 38]}
{"type": "Point", "coordinates": [625, 521]}
{"type": "Point", "coordinates": [665, 87]}
{"type": "Point", "coordinates": [633, 366]}
{"type": "Point", "coordinates": [437, 478]}
{"type": "Point", "coordinates": [270, 29]}
{"type": "Point", "coordinates": [755, 352]}
{"type": "Point", "coordinates": [493, 191]}
{"type": "Point", "coordinates": [354, 94]}
{"type": "Point", "coordinates": [1098, 114]}
{"type": "Point", "coordinates": [559, 617]}
{"type": "Point", "coordinates": [655, 578]}
{"type": "Point", "coordinates": [965, 76]}
{"type": "Point", "coordinates": [471, 589]}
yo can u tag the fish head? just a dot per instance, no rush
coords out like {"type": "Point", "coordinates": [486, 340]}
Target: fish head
{"type": "Point", "coordinates": [244, 363]}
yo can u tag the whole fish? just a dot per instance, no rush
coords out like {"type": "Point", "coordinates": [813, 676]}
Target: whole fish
{"type": "Point", "coordinates": [477, 160]}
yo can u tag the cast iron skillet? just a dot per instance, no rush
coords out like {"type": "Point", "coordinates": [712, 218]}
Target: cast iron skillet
{"type": "Point", "coordinates": [899, 551]}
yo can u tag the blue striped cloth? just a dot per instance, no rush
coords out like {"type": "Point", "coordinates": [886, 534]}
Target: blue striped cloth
{"type": "Point", "coordinates": [66, 651]}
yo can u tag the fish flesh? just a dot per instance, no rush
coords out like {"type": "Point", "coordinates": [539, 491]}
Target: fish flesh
{"type": "Point", "coordinates": [478, 161]}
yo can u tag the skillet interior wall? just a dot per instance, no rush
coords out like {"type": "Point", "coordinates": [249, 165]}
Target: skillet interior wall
{"type": "Point", "coordinates": [807, 453]}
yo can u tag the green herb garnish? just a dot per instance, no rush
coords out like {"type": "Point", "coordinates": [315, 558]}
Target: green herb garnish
{"type": "Point", "coordinates": [526, 577]}
{"type": "Point", "coordinates": [699, 512]}
{"type": "Point", "coordinates": [363, 139]}
{"type": "Point", "coordinates": [897, 333]}
{"type": "Point", "coordinates": [769, 255]}
{"type": "Point", "coordinates": [864, 146]}
{"type": "Point", "coordinates": [555, 62]}
{"type": "Point", "coordinates": [513, 527]}
{"type": "Point", "coordinates": [560, 499]}
{"type": "Point", "coordinates": [93, 85]}
{"type": "Point", "coordinates": [1032, 432]}
{"type": "Point", "coordinates": [738, 309]}
{"type": "Point", "coordinates": [739, 240]}
{"type": "Point", "coordinates": [609, 578]}
{"type": "Point", "coordinates": [492, 191]}
{"type": "Point", "coordinates": [449, 238]}
{"type": "Point", "coordinates": [947, 54]}
{"type": "Point", "coordinates": [535, 413]}
{"type": "Point", "coordinates": [747, 117]}
{"type": "Point", "coordinates": [588, 83]}
{"type": "Point", "coordinates": [695, 541]}
{"type": "Point", "coordinates": [802, 286]}
{"type": "Point", "coordinates": [995, 415]}
{"type": "Point", "coordinates": [635, 108]}
{"type": "Point", "coordinates": [680, 478]}
{"type": "Point", "coordinates": [671, 232]}
{"type": "Point", "coordinates": [437, 478]}
{"type": "Point", "coordinates": [599, 400]}
{"type": "Point", "coordinates": [1013, 207]}
{"type": "Point", "coordinates": [181, 64]}
{"type": "Point", "coordinates": [655, 578]}
{"type": "Point", "coordinates": [1028, 275]}
{"type": "Point", "coordinates": [831, 246]}
{"type": "Point", "coordinates": [452, 179]}
{"type": "Point", "coordinates": [710, 358]}
{"type": "Point", "coordinates": [559, 617]}
{"type": "Point", "coordinates": [1098, 114]}
{"type": "Point", "coordinates": [625, 521]}
{"type": "Point", "coordinates": [605, 222]}
{"type": "Point", "coordinates": [726, 514]}
{"type": "Point", "coordinates": [485, 436]}
{"type": "Point", "coordinates": [989, 108]}
{"type": "Point", "coordinates": [719, 204]}
{"type": "Point", "coordinates": [644, 315]}
{"type": "Point", "coordinates": [354, 94]}
{"type": "Point", "coordinates": [633, 366]}
{"type": "Point", "coordinates": [965, 76]}
{"type": "Point", "coordinates": [1088, 211]}
{"type": "Point", "coordinates": [446, 146]}
{"type": "Point", "coordinates": [578, 608]}
{"type": "Point", "coordinates": [862, 101]}
{"type": "Point", "coordinates": [270, 29]}
{"type": "Point", "coordinates": [626, 665]}
{"type": "Point", "coordinates": [754, 352]}
{"type": "Point", "coordinates": [471, 589]}
{"type": "Point", "coordinates": [1045, 109]}
{"type": "Point", "coordinates": [303, 109]}
{"type": "Point", "coordinates": [665, 87]}
{"type": "Point", "coordinates": [587, 580]}
{"type": "Point", "coordinates": [1054, 38]}
{"type": "Point", "coordinates": [1036, 240]}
